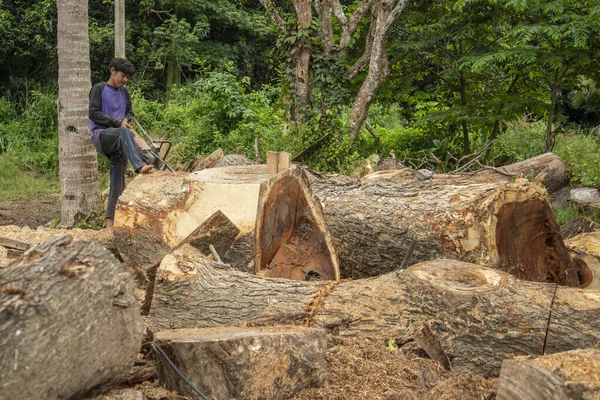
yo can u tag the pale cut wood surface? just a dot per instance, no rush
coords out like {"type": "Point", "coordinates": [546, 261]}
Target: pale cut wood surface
{"type": "Point", "coordinates": [244, 363]}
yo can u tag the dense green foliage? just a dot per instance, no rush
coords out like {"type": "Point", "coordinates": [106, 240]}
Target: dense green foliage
{"type": "Point", "coordinates": [214, 73]}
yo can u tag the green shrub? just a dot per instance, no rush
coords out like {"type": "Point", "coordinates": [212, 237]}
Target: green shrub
{"type": "Point", "coordinates": [520, 141]}
{"type": "Point", "coordinates": [30, 138]}
{"type": "Point", "coordinates": [582, 153]}
{"type": "Point", "coordinates": [571, 212]}
{"type": "Point", "coordinates": [216, 110]}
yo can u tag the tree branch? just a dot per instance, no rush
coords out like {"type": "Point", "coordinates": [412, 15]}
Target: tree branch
{"type": "Point", "coordinates": [394, 14]}
{"type": "Point", "coordinates": [268, 5]}
{"type": "Point", "coordinates": [325, 15]}
{"type": "Point", "coordinates": [354, 20]}
{"type": "Point", "coordinates": [364, 60]}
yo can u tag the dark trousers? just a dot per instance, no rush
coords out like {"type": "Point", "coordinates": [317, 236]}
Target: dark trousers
{"type": "Point", "coordinates": [118, 145]}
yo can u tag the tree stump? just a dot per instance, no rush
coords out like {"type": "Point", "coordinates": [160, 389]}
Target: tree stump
{"type": "Point", "coordinates": [282, 232]}
{"type": "Point", "coordinates": [504, 225]}
{"type": "Point", "coordinates": [244, 363]}
{"type": "Point", "coordinates": [480, 315]}
{"type": "Point", "coordinates": [571, 375]}
{"type": "Point", "coordinates": [65, 305]}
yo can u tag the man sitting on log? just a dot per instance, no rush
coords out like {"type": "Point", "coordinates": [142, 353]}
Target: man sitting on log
{"type": "Point", "coordinates": [109, 112]}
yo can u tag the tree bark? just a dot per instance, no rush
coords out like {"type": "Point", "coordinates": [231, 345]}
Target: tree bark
{"type": "Point", "coordinates": [120, 28]}
{"type": "Point", "coordinates": [505, 225]}
{"type": "Point", "coordinates": [301, 59]}
{"type": "Point", "coordinates": [577, 226]}
{"type": "Point", "coordinates": [569, 375]}
{"type": "Point", "coordinates": [244, 363]}
{"type": "Point", "coordinates": [78, 163]}
{"type": "Point", "coordinates": [282, 232]}
{"type": "Point", "coordinates": [66, 304]}
{"type": "Point", "coordinates": [481, 316]}
{"type": "Point", "coordinates": [381, 14]}
{"type": "Point", "coordinates": [546, 169]}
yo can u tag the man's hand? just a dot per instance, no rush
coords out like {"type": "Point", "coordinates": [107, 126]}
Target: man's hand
{"type": "Point", "coordinates": [126, 124]}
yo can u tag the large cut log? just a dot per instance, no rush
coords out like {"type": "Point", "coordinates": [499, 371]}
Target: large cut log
{"type": "Point", "coordinates": [282, 232]}
{"type": "Point", "coordinates": [480, 315]}
{"type": "Point", "coordinates": [68, 321]}
{"type": "Point", "coordinates": [572, 375]}
{"type": "Point", "coordinates": [546, 169]}
{"type": "Point", "coordinates": [584, 249]}
{"type": "Point", "coordinates": [504, 225]}
{"type": "Point", "coordinates": [243, 363]}
{"type": "Point", "coordinates": [34, 236]}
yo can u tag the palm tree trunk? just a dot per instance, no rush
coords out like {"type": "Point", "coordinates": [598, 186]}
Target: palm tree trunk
{"type": "Point", "coordinates": [78, 163]}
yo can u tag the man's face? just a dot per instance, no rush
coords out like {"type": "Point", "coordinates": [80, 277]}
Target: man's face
{"type": "Point", "coordinates": [118, 78]}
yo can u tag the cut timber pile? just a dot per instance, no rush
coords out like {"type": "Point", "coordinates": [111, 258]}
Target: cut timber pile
{"type": "Point", "coordinates": [503, 224]}
{"type": "Point", "coordinates": [480, 315]}
{"type": "Point", "coordinates": [244, 363]}
{"type": "Point", "coordinates": [282, 232]}
{"type": "Point", "coordinates": [68, 321]}
{"type": "Point", "coordinates": [571, 375]}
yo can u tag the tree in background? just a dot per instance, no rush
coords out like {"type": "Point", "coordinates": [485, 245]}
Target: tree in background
{"type": "Point", "coordinates": [562, 38]}
{"type": "Point", "coordinates": [338, 44]}
{"type": "Point", "coordinates": [78, 164]}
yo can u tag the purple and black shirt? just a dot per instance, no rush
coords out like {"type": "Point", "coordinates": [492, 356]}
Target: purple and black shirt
{"type": "Point", "coordinates": [108, 107]}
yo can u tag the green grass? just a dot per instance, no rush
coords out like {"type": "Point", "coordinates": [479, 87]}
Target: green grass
{"type": "Point", "coordinates": [571, 212]}
{"type": "Point", "coordinates": [16, 184]}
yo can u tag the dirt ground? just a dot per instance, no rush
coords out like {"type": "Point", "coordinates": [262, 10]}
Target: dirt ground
{"type": "Point", "coordinates": [362, 369]}
{"type": "Point", "coordinates": [31, 212]}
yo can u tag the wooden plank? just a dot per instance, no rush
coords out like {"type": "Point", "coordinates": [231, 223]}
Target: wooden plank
{"type": "Point", "coordinates": [13, 244]}
{"type": "Point", "coordinates": [284, 161]}
{"type": "Point", "coordinates": [272, 162]}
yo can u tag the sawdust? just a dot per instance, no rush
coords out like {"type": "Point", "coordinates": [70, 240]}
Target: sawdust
{"type": "Point", "coordinates": [363, 369]}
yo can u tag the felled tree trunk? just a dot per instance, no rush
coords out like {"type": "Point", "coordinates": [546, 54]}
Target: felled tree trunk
{"type": "Point", "coordinates": [282, 232]}
{"type": "Point", "coordinates": [546, 169]}
{"type": "Point", "coordinates": [578, 225]}
{"type": "Point", "coordinates": [570, 375]}
{"type": "Point", "coordinates": [481, 315]}
{"type": "Point", "coordinates": [68, 321]}
{"type": "Point", "coordinates": [244, 363]}
{"type": "Point", "coordinates": [504, 225]}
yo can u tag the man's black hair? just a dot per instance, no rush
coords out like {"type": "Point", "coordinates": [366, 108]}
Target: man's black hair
{"type": "Point", "coordinates": [122, 65]}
